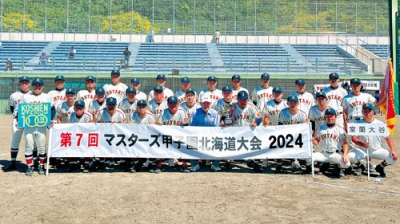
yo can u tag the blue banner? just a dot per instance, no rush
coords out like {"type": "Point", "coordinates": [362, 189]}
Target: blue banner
{"type": "Point", "coordinates": [34, 115]}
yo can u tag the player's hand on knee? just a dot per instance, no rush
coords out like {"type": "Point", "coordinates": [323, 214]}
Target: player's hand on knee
{"type": "Point", "coordinates": [395, 156]}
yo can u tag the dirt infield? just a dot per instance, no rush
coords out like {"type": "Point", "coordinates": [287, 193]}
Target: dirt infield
{"type": "Point", "coordinates": [237, 196]}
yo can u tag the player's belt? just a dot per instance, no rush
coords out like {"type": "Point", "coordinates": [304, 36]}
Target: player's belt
{"type": "Point", "coordinates": [355, 118]}
{"type": "Point", "coordinates": [332, 152]}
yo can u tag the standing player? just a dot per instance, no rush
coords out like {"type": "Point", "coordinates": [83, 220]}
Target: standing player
{"type": "Point", "coordinates": [263, 93]}
{"type": "Point", "coordinates": [190, 105]}
{"type": "Point", "coordinates": [333, 141]}
{"type": "Point", "coordinates": [15, 98]}
{"type": "Point", "coordinates": [116, 89]}
{"type": "Point", "coordinates": [135, 83]}
{"type": "Point", "coordinates": [335, 95]}
{"type": "Point", "coordinates": [212, 92]}
{"type": "Point", "coordinates": [36, 135]}
{"type": "Point", "coordinates": [88, 94]}
{"type": "Point", "coordinates": [158, 104]}
{"type": "Point", "coordinates": [161, 81]}
{"type": "Point", "coordinates": [273, 107]}
{"type": "Point", "coordinates": [128, 105]}
{"type": "Point", "coordinates": [65, 109]}
{"type": "Point", "coordinates": [306, 99]}
{"type": "Point", "coordinates": [236, 88]}
{"type": "Point", "coordinates": [97, 105]}
{"type": "Point", "coordinates": [185, 83]}
{"type": "Point", "coordinates": [58, 94]}
{"type": "Point", "coordinates": [374, 145]}
{"type": "Point", "coordinates": [225, 106]}
{"type": "Point", "coordinates": [317, 112]}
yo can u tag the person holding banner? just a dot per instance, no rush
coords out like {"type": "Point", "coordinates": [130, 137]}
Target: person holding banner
{"type": "Point", "coordinates": [37, 135]}
{"type": "Point", "coordinates": [58, 94]}
{"type": "Point", "coordinates": [161, 81]}
{"type": "Point", "coordinates": [89, 93]}
{"type": "Point", "coordinates": [128, 105]}
{"type": "Point", "coordinates": [273, 107]}
{"type": "Point", "coordinates": [158, 104]}
{"type": "Point", "coordinates": [306, 99]}
{"type": "Point", "coordinates": [15, 98]}
{"type": "Point", "coordinates": [115, 89]}
{"type": "Point", "coordinates": [372, 145]}
{"type": "Point", "coordinates": [262, 94]}
{"type": "Point", "coordinates": [212, 92]}
{"type": "Point", "coordinates": [65, 109]}
{"type": "Point", "coordinates": [190, 105]}
{"type": "Point", "coordinates": [135, 83]}
{"type": "Point", "coordinates": [97, 105]}
{"type": "Point", "coordinates": [333, 141]}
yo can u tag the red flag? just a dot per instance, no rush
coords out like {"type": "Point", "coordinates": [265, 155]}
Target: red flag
{"type": "Point", "coordinates": [387, 91]}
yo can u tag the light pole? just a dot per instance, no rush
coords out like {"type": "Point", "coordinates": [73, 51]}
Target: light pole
{"type": "Point", "coordinates": [67, 16]}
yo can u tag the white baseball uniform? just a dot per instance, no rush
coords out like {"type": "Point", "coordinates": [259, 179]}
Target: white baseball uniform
{"type": "Point", "coordinates": [128, 108]}
{"type": "Point", "coordinates": [306, 101]}
{"type": "Point", "coordinates": [334, 100]}
{"type": "Point", "coordinates": [58, 96]}
{"type": "Point", "coordinates": [354, 104]}
{"type": "Point", "coordinates": [64, 111]}
{"type": "Point", "coordinates": [147, 120]}
{"type": "Point", "coordinates": [116, 91]}
{"type": "Point", "coordinates": [13, 101]}
{"type": "Point", "coordinates": [105, 117]}
{"type": "Point", "coordinates": [177, 119]}
{"type": "Point", "coordinates": [167, 93]}
{"type": "Point", "coordinates": [213, 95]}
{"type": "Point", "coordinates": [157, 109]}
{"type": "Point", "coordinates": [85, 118]}
{"type": "Point", "coordinates": [261, 96]}
{"type": "Point", "coordinates": [272, 110]}
{"type": "Point", "coordinates": [244, 117]}
{"type": "Point", "coordinates": [190, 110]}
{"type": "Point", "coordinates": [86, 96]}
{"type": "Point", "coordinates": [235, 92]}
{"type": "Point", "coordinates": [140, 96]}
{"type": "Point", "coordinates": [318, 116]}
{"type": "Point", "coordinates": [286, 118]}
{"type": "Point", "coordinates": [181, 96]}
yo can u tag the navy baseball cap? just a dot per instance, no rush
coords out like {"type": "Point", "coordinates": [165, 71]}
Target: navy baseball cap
{"type": "Point", "coordinates": [172, 99]}
{"type": "Point", "coordinates": [161, 76]}
{"type": "Point", "coordinates": [227, 88]}
{"type": "Point", "coordinates": [130, 90]}
{"type": "Point", "coordinates": [236, 77]}
{"type": "Point", "coordinates": [300, 82]}
{"type": "Point", "coordinates": [24, 78]}
{"type": "Point", "coordinates": [111, 101]}
{"type": "Point", "coordinates": [158, 88]}
{"type": "Point", "coordinates": [115, 72]}
{"type": "Point", "coordinates": [355, 80]}
{"type": "Point", "coordinates": [59, 77]}
{"type": "Point", "coordinates": [79, 103]}
{"type": "Point", "coordinates": [69, 90]}
{"type": "Point", "coordinates": [368, 106]}
{"type": "Point", "coordinates": [330, 111]}
{"type": "Point", "coordinates": [141, 102]}
{"type": "Point", "coordinates": [90, 77]}
{"type": "Point", "coordinates": [212, 78]}
{"type": "Point", "coordinates": [190, 90]}
{"type": "Point", "coordinates": [135, 80]}
{"type": "Point", "coordinates": [320, 93]}
{"type": "Point", "coordinates": [100, 90]}
{"type": "Point", "coordinates": [38, 81]}
{"type": "Point", "coordinates": [277, 90]}
{"type": "Point", "coordinates": [265, 76]}
{"type": "Point", "coordinates": [185, 79]}
{"type": "Point", "coordinates": [293, 98]}
{"type": "Point", "coordinates": [333, 75]}
{"type": "Point", "coordinates": [242, 95]}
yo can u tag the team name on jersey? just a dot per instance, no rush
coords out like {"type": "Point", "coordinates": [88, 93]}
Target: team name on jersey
{"type": "Point", "coordinates": [274, 112]}
{"type": "Point", "coordinates": [319, 118]}
{"type": "Point", "coordinates": [114, 91]}
{"type": "Point", "coordinates": [291, 122]}
{"type": "Point", "coordinates": [265, 95]}
{"type": "Point", "coordinates": [93, 97]}
{"type": "Point", "coordinates": [356, 103]}
{"type": "Point", "coordinates": [181, 100]}
{"type": "Point", "coordinates": [334, 97]}
{"type": "Point", "coordinates": [57, 98]}
{"type": "Point", "coordinates": [329, 135]}
{"type": "Point", "coordinates": [214, 97]}
{"type": "Point", "coordinates": [305, 101]}
{"type": "Point", "coordinates": [244, 116]}
{"type": "Point", "coordinates": [130, 111]}
{"type": "Point", "coordinates": [172, 122]}
{"type": "Point", "coordinates": [157, 111]}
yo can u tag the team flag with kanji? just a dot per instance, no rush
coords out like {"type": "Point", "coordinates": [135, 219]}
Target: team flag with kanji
{"type": "Point", "coordinates": [387, 90]}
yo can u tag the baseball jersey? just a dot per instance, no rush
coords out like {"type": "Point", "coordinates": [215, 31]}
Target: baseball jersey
{"type": "Point", "coordinates": [140, 96]}
{"type": "Point", "coordinates": [335, 97]}
{"type": "Point", "coordinates": [235, 92]}
{"type": "Point", "coordinates": [85, 118]}
{"type": "Point", "coordinates": [41, 98]}
{"type": "Point", "coordinates": [330, 138]}
{"type": "Point", "coordinates": [375, 142]}
{"type": "Point", "coordinates": [128, 108]}
{"type": "Point", "coordinates": [147, 120]}
{"type": "Point", "coordinates": [64, 111]}
{"type": "Point", "coordinates": [157, 109]}
{"type": "Point", "coordinates": [244, 117]}
{"type": "Point", "coordinates": [58, 96]}
{"type": "Point", "coordinates": [272, 110]}
{"type": "Point", "coordinates": [306, 101]}
{"type": "Point", "coordinates": [181, 96]}
{"type": "Point", "coordinates": [354, 104]}
{"type": "Point", "coordinates": [213, 95]}
{"type": "Point", "coordinates": [167, 93]}
{"type": "Point", "coordinates": [15, 98]}
{"type": "Point", "coordinates": [286, 118]}
{"type": "Point", "coordinates": [190, 110]}
{"type": "Point", "coordinates": [261, 96]}
{"type": "Point", "coordinates": [177, 119]}
{"type": "Point", "coordinates": [86, 96]}
{"type": "Point", "coordinates": [95, 107]}
{"type": "Point", "coordinates": [220, 106]}
{"type": "Point", "coordinates": [116, 91]}
{"type": "Point", "coordinates": [318, 116]}
{"type": "Point", "coordinates": [105, 117]}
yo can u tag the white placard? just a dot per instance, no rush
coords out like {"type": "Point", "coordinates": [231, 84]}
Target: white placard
{"type": "Point", "coordinates": [359, 129]}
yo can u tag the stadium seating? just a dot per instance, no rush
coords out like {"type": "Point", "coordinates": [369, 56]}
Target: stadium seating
{"type": "Point", "coordinates": [20, 51]}
{"type": "Point", "coordinates": [380, 50]}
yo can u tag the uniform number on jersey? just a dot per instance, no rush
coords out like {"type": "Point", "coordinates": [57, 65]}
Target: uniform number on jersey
{"type": "Point", "coordinates": [281, 141]}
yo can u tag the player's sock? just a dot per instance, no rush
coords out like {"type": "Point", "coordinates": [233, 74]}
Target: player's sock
{"type": "Point", "coordinates": [14, 154]}
{"type": "Point", "coordinates": [42, 158]}
{"type": "Point", "coordinates": [384, 163]}
{"type": "Point", "coordinates": [29, 159]}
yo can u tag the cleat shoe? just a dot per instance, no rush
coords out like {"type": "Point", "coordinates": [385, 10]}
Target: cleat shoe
{"type": "Point", "coordinates": [264, 163]}
{"type": "Point", "coordinates": [359, 170]}
{"type": "Point", "coordinates": [41, 170]}
{"type": "Point", "coordinates": [381, 170]}
{"type": "Point", "coordinates": [278, 169]}
{"type": "Point", "coordinates": [228, 165]}
{"type": "Point", "coordinates": [36, 162]}
{"type": "Point", "coordinates": [250, 163]}
{"type": "Point", "coordinates": [257, 168]}
{"type": "Point", "coordinates": [296, 165]}
{"type": "Point", "coordinates": [133, 170]}
{"type": "Point", "coordinates": [185, 168]}
{"type": "Point", "coordinates": [308, 169]}
{"type": "Point", "coordinates": [195, 168]}
{"type": "Point", "coordinates": [29, 171]}
{"type": "Point", "coordinates": [11, 167]}
{"type": "Point", "coordinates": [215, 168]}
{"type": "Point", "coordinates": [323, 168]}
{"type": "Point", "coordinates": [86, 169]}
{"type": "Point", "coordinates": [341, 173]}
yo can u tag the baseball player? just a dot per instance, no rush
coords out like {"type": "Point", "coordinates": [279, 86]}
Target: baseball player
{"type": "Point", "coordinates": [15, 98]}
{"type": "Point", "coordinates": [161, 81]}
{"type": "Point", "coordinates": [190, 105]}
{"type": "Point", "coordinates": [116, 89]}
{"type": "Point", "coordinates": [97, 105]}
{"type": "Point", "coordinates": [273, 107]}
{"type": "Point", "coordinates": [65, 109]}
{"type": "Point", "coordinates": [335, 95]}
{"type": "Point", "coordinates": [58, 94]}
{"type": "Point", "coordinates": [263, 93]}
{"type": "Point", "coordinates": [158, 104]}
{"type": "Point", "coordinates": [36, 134]}
{"type": "Point", "coordinates": [225, 107]}
{"type": "Point", "coordinates": [291, 115]}
{"type": "Point", "coordinates": [333, 141]}
{"type": "Point", "coordinates": [128, 105]}
{"type": "Point", "coordinates": [306, 99]}
{"type": "Point", "coordinates": [135, 83]}
{"type": "Point", "coordinates": [89, 93]}
{"type": "Point", "coordinates": [212, 92]}
{"type": "Point", "coordinates": [236, 88]}
{"type": "Point", "coordinates": [374, 145]}
{"type": "Point", "coordinates": [317, 112]}
{"type": "Point", "coordinates": [185, 83]}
